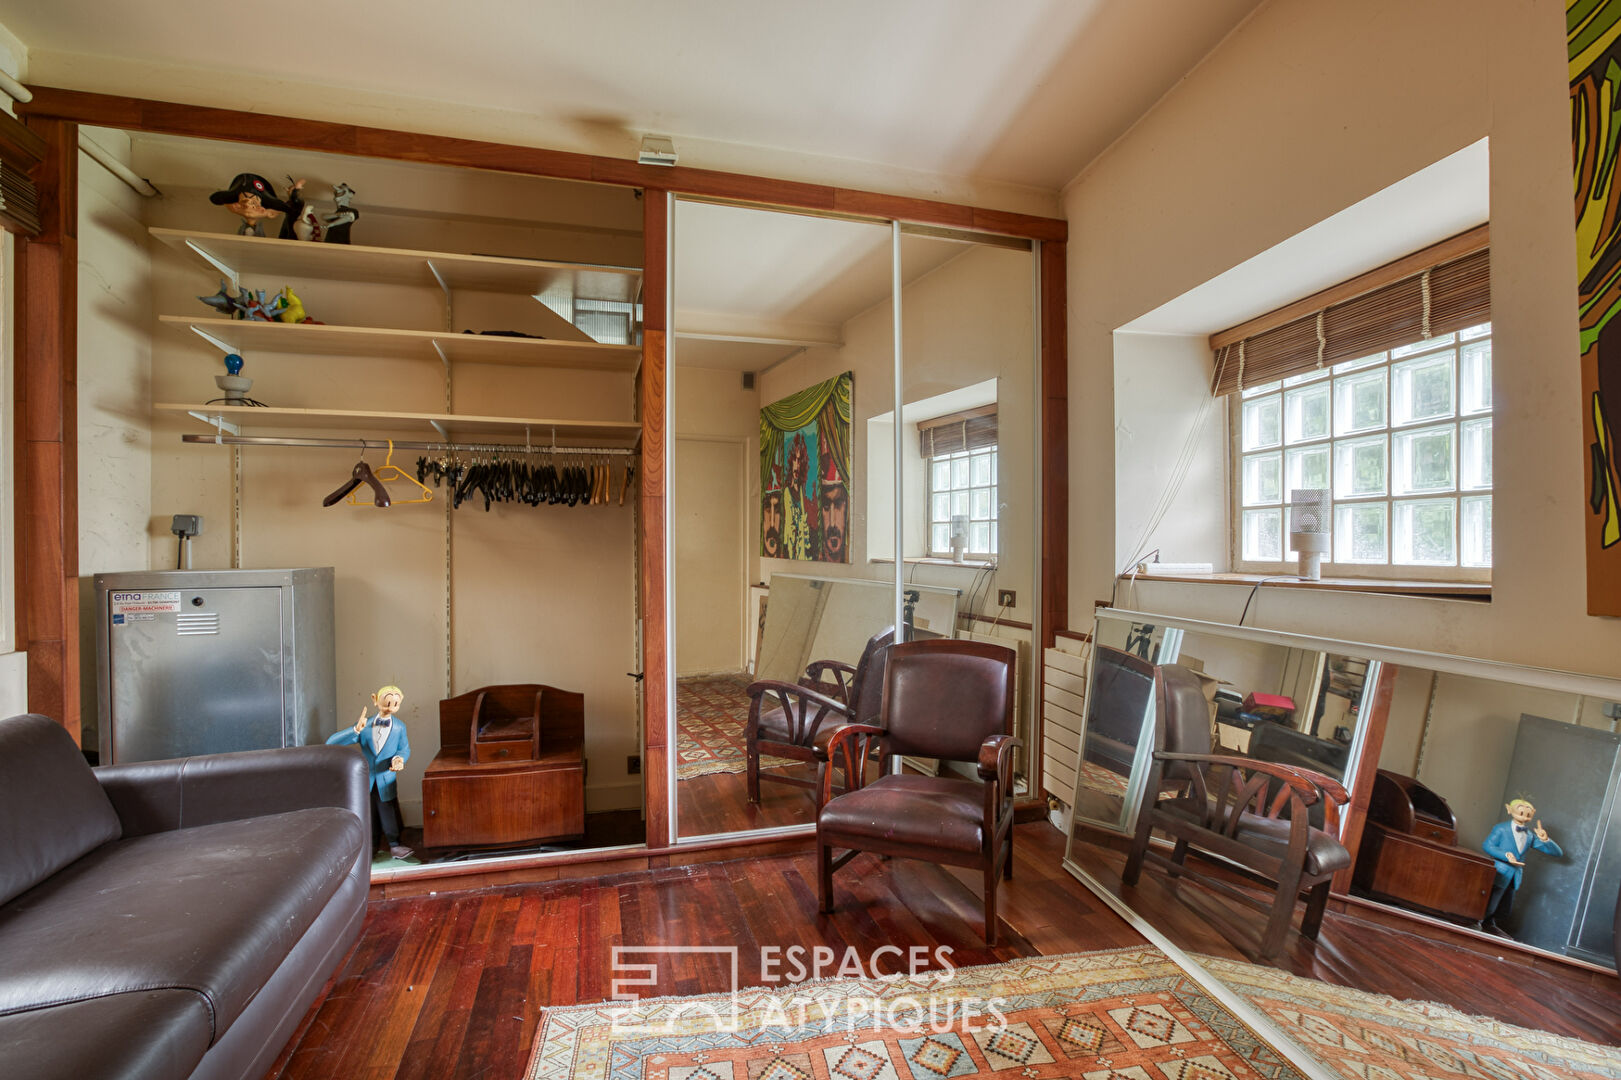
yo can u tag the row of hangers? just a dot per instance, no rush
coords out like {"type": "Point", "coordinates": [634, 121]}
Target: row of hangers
{"type": "Point", "coordinates": [499, 474]}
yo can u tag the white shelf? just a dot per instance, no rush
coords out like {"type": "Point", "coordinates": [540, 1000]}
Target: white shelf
{"type": "Point", "coordinates": [300, 259]}
{"type": "Point", "coordinates": [252, 421]}
{"type": "Point", "coordinates": [319, 340]}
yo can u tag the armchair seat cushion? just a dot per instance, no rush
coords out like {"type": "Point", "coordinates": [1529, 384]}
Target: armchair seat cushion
{"type": "Point", "coordinates": [212, 909]}
{"type": "Point", "coordinates": [1270, 836]}
{"type": "Point", "coordinates": [924, 811]}
{"type": "Point", "coordinates": [774, 728]}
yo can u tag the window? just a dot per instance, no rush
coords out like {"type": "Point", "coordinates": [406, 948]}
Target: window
{"type": "Point", "coordinates": [963, 486]}
{"type": "Point", "coordinates": [1402, 439]}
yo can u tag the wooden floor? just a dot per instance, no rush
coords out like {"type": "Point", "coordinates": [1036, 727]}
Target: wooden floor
{"type": "Point", "coordinates": [719, 803]}
{"type": "Point", "coordinates": [452, 985]}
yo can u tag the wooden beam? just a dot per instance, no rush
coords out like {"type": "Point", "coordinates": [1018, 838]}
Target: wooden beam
{"type": "Point", "coordinates": [1375, 717]}
{"type": "Point", "coordinates": [659, 765]}
{"type": "Point", "coordinates": [173, 118]}
{"type": "Point", "coordinates": [46, 426]}
{"type": "Point", "coordinates": [1451, 248]}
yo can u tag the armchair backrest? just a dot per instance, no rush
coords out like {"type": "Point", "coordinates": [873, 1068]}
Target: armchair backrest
{"type": "Point", "coordinates": [944, 698]}
{"type": "Point", "coordinates": [867, 684]}
{"type": "Point", "coordinates": [1183, 723]}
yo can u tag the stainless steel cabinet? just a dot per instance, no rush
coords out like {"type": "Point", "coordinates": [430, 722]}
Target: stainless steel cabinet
{"type": "Point", "coordinates": [208, 661]}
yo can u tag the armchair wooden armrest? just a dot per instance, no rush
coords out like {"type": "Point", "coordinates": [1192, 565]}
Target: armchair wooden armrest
{"type": "Point", "coordinates": [1303, 784]}
{"type": "Point", "coordinates": [996, 769]}
{"type": "Point", "coordinates": [843, 677]}
{"type": "Point", "coordinates": [855, 742]}
{"type": "Point", "coordinates": [796, 703]}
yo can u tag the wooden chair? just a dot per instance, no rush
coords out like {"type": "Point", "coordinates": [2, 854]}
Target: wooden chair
{"type": "Point", "coordinates": [945, 699]}
{"type": "Point", "coordinates": [797, 720]}
{"type": "Point", "coordinates": [1224, 810]}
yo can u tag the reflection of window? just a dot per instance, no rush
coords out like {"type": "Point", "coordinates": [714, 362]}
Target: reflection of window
{"type": "Point", "coordinates": [1384, 400]}
{"type": "Point", "coordinates": [1402, 439]}
{"type": "Point", "coordinates": [960, 450]}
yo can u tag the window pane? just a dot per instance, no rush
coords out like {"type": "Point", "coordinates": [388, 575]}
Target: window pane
{"type": "Point", "coordinates": [1305, 414]}
{"type": "Point", "coordinates": [1359, 533]}
{"type": "Point", "coordinates": [1307, 468]}
{"type": "Point", "coordinates": [1264, 388]}
{"type": "Point", "coordinates": [1422, 389]}
{"type": "Point", "coordinates": [1475, 331]}
{"type": "Point", "coordinates": [942, 475]}
{"type": "Point", "coordinates": [1423, 460]}
{"type": "Point", "coordinates": [1475, 540]}
{"type": "Point", "coordinates": [959, 502]}
{"type": "Point", "coordinates": [1360, 362]}
{"type": "Point", "coordinates": [994, 548]}
{"type": "Point", "coordinates": [1310, 376]}
{"type": "Point", "coordinates": [981, 504]}
{"type": "Point", "coordinates": [1426, 532]}
{"type": "Point", "coordinates": [979, 538]}
{"type": "Point", "coordinates": [940, 508]}
{"type": "Point", "coordinates": [1359, 402]}
{"type": "Point", "coordinates": [1263, 479]}
{"type": "Point", "coordinates": [1263, 423]}
{"type": "Point", "coordinates": [959, 471]}
{"type": "Point", "coordinates": [1422, 346]}
{"type": "Point", "coordinates": [1475, 377]}
{"type": "Point", "coordinates": [1263, 535]}
{"type": "Point", "coordinates": [981, 469]}
{"type": "Point", "coordinates": [942, 537]}
{"type": "Point", "coordinates": [1359, 467]}
{"type": "Point", "coordinates": [994, 456]}
{"type": "Point", "coordinates": [1476, 452]}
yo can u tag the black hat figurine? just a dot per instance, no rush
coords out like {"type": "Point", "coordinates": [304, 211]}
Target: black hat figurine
{"type": "Point", "coordinates": [251, 198]}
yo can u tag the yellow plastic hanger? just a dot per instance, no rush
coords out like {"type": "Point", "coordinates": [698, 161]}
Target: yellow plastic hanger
{"type": "Point", "coordinates": [389, 473]}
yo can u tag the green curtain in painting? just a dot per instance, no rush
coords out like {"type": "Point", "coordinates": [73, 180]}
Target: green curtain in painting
{"type": "Point", "coordinates": [1593, 33]}
{"type": "Point", "coordinates": [805, 473]}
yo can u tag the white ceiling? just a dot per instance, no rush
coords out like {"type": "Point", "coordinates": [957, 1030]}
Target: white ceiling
{"type": "Point", "coordinates": [1025, 93]}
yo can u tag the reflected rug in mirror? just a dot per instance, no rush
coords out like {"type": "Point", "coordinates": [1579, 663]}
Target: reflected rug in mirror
{"type": "Point", "coordinates": [1129, 1014]}
{"type": "Point", "coordinates": [1376, 1037]}
{"type": "Point", "coordinates": [712, 719]}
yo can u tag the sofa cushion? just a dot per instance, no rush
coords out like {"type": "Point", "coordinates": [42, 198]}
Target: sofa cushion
{"type": "Point", "coordinates": [214, 908]}
{"type": "Point", "coordinates": [146, 1035]}
{"type": "Point", "coordinates": [52, 810]}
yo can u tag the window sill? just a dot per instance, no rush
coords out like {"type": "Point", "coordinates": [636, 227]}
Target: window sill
{"type": "Point", "coordinates": [966, 564]}
{"type": "Point", "coordinates": [1447, 590]}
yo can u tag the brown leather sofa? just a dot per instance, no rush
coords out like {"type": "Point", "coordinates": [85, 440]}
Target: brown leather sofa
{"type": "Point", "coordinates": [170, 918]}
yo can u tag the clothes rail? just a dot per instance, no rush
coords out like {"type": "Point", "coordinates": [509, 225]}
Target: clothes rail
{"type": "Point", "coordinates": [405, 444]}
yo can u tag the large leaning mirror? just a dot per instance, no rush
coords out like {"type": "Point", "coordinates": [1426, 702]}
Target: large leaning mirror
{"type": "Point", "coordinates": [1462, 819]}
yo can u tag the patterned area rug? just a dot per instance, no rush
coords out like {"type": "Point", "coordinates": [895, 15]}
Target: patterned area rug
{"type": "Point", "coordinates": [712, 717]}
{"type": "Point", "coordinates": [1375, 1037]}
{"type": "Point", "coordinates": [1098, 778]}
{"type": "Point", "coordinates": [1125, 1014]}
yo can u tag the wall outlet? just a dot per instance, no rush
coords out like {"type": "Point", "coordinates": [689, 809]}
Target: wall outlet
{"type": "Point", "coordinates": [633, 764]}
{"type": "Point", "coordinates": [1006, 598]}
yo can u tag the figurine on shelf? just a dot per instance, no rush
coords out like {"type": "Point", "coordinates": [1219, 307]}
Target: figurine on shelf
{"type": "Point", "coordinates": [251, 198]}
{"type": "Point", "coordinates": [290, 309]}
{"type": "Point", "coordinates": [224, 301]}
{"type": "Point", "coordinates": [1507, 841]}
{"type": "Point", "coordinates": [343, 215]}
{"type": "Point", "coordinates": [235, 386]}
{"type": "Point", "coordinates": [382, 742]}
{"type": "Point", "coordinates": [300, 222]}
{"type": "Point", "coordinates": [255, 308]}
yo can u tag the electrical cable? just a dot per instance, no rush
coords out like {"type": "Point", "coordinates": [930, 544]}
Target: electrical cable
{"type": "Point", "coordinates": [1173, 486]}
{"type": "Point", "coordinates": [1256, 588]}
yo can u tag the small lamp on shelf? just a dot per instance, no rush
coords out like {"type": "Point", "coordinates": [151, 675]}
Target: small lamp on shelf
{"type": "Point", "coordinates": [1309, 529]}
{"type": "Point", "coordinates": [959, 536]}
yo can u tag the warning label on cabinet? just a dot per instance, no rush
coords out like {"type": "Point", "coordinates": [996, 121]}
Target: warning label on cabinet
{"type": "Point", "coordinates": [143, 603]}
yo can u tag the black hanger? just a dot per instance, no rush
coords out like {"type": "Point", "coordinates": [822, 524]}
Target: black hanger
{"type": "Point", "coordinates": [361, 474]}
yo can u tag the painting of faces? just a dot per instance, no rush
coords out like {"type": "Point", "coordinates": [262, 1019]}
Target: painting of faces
{"type": "Point", "coordinates": [804, 472]}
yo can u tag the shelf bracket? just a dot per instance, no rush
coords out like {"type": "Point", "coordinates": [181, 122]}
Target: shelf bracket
{"type": "Point", "coordinates": [223, 346]}
{"type": "Point", "coordinates": [208, 257]}
{"type": "Point", "coordinates": [220, 425]}
{"type": "Point", "coordinates": [443, 357]}
{"type": "Point", "coordinates": [444, 286]}
{"type": "Point", "coordinates": [440, 428]}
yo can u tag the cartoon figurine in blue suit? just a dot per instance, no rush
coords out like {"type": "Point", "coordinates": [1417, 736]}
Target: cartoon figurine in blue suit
{"type": "Point", "coordinates": [381, 739]}
{"type": "Point", "coordinates": [1506, 843]}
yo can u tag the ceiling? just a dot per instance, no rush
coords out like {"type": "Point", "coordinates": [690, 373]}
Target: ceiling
{"type": "Point", "coordinates": [1023, 93]}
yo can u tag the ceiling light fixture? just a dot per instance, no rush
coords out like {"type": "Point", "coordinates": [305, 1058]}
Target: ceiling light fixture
{"type": "Point", "coordinates": [656, 150]}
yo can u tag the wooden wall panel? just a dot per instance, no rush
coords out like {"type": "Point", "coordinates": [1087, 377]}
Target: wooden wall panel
{"type": "Point", "coordinates": [1055, 442]}
{"type": "Point", "coordinates": [46, 424]}
{"type": "Point", "coordinates": [655, 634]}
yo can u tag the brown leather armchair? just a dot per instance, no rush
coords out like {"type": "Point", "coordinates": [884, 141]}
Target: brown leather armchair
{"type": "Point", "coordinates": [1224, 809]}
{"type": "Point", "coordinates": [797, 720]}
{"type": "Point", "coordinates": [945, 699]}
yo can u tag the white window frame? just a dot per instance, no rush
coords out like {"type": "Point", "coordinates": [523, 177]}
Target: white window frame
{"type": "Point", "coordinates": [1456, 419]}
{"type": "Point", "coordinates": [992, 519]}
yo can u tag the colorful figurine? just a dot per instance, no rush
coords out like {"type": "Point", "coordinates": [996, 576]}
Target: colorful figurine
{"type": "Point", "coordinates": [251, 198]}
{"type": "Point", "coordinates": [224, 301]}
{"type": "Point", "coordinates": [1507, 841]}
{"type": "Point", "coordinates": [383, 744]}
{"type": "Point", "coordinates": [297, 211]}
{"type": "Point", "coordinates": [290, 308]}
{"type": "Point", "coordinates": [342, 217]}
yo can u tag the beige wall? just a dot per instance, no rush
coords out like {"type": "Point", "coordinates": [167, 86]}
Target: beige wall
{"type": "Point", "coordinates": [541, 594]}
{"type": "Point", "coordinates": [1306, 109]}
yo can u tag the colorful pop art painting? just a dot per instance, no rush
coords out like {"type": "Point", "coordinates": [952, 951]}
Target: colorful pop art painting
{"type": "Point", "coordinates": [1593, 32]}
{"type": "Point", "coordinates": [805, 474]}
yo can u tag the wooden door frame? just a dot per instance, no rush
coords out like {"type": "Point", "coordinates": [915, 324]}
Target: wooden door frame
{"type": "Point", "coordinates": [46, 451]}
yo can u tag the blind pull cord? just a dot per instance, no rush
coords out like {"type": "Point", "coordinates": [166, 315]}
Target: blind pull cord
{"type": "Point", "coordinates": [1241, 367]}
{"type": "Point", "coordinates": [1322, 341]}
{"type": "Point", "coordinates": [1424, 284]}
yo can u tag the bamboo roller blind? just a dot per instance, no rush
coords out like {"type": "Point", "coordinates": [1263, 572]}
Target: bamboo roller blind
{"type": "Point", "coordinates": [972, 429]}
{"type": "Point", "coordinates": [1449, 295]}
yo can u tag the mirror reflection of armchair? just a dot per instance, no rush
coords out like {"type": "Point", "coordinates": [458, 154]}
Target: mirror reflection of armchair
{"type": "Point", "coordinates": [1122, 688]}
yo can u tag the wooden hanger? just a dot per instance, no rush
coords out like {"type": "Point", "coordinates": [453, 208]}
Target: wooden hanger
{"type": "Point", "coordinates": [361, 474]}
